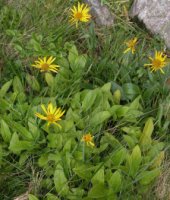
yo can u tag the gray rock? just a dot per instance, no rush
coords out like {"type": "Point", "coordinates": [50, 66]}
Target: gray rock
{"type": "Point", "coordinates": [101, 13]}
{"type": "Point", "coordinates": [155, 14]}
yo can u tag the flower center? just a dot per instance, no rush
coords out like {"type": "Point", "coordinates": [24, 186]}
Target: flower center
{"type": "Point", "coordinates": [51, 118]}
{"type": "Point", "coordinates": [87, 138]}
{"type": "Point", "coordinates": [45, 66]}
{"type": "Point", "coordinates": [78, 15]}
{"type": "Point", "coordinates": [156, 63]}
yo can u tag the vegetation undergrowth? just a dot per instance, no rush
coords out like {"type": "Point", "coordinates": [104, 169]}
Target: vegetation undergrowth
{"type": "Point", "coordinates": [84, 109]}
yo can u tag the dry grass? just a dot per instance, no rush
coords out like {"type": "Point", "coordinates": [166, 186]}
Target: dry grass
{"type": "Point", "coordinates": [162, 187]}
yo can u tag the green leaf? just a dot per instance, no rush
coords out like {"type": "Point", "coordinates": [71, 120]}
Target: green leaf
{"type": "Point", "coordinates": [32, 82]}
{"type": "Point", "coordinates": [32, 197]}
{"type": "Point", "coordinates": [4, 89]}
{"type": "Point", "coordinates": [68, 125]}
{"type": "Point", "coordinates": [146, 177]}
{"type": "Point", "coordinates": [21, 130]}
{"type": "Point", "coordinates": [119, 157]}
{"type": "Point", "coordinates": [52, 197]}
{"type": "Point", "coordinates": [43, 160]}
{"type": "Point", "coordinates": [130, 141]}
{"type": "Point", "coordinates": [73, 54]}
{"type": "Point", "coordinates": [84, 171]}
{"type": "Point", "coordinates": [16, 146]}
{"type": "Point", "coordinates": [17, 85]}
{"type": "Point", "coordinates": [79, 64]}
{"type": "Point", "coordinates": [115, 181]}
{"type": "Point", "coordinates": [55, 141]}
{"type": "Point", "coordinates": [135, 104]}
{"type": "Point", "coordinates": [99, 118]}
{"type": "Point", "coordinates": [134, 161]}
{"type": "Point", "coordinates": [106, 87]}
{"type": "Point", "coordinates": [98, 177]}
{"type": "Point", "coordinates": [89, 100]}
{"type": "Point", "coordinates": [117, 96]}
{"type": "Point", "coordinates": [110, 139]}
{"type": "Point", "coordinates": [122, 111]}
{"type": "Point", "coordinates": [5, 132]}
{"type": "Point", "coordinates": [49, 79]}
{"type": "Point", "coordinates": [76, 193]}
{"type": "Point", "coordinates": [99, 191]}
{"type": "Point", "coordinates": [146, 140]}
{"type": "Point", "coordinates": [60, 181]}
{"type": "Point", "coordinates": [35, 132]}
{"type": "Point", "coordinates": [158, 160]}
{"type": "Point", "coordinates": [131, 90]}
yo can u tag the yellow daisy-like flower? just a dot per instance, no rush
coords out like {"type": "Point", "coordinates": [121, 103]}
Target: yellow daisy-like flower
{"type": "Point", "coordinates": [53, 114]}
{"type": "Point", "coordinates": [45, 64]}
{"type": "Point", "coordinates": [88, 139]}
{"type": "Point", "coordinates": [131, 44]}
{"type": "Point", "coordinates": [158, 62]}
{"type": "Point", "coordinates": [80, 13]}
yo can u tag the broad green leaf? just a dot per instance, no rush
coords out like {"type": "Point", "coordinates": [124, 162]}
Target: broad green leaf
{"type": "Point", "coordinates": [131, 90]}
{"type": "Point", "coordinates": [110, 139]}
{"type": "Point", "coordinates": [117, 96]}
{"type": "Point", "coordinates": [134, 161]}
{"type": "Point", "coordinates": [146, 140]}
{"type": "Point", "coordinates": [115, 181]}
{"type": "Point", "coordinates": [49, 79]}
{"type": "Point", "coordinates": [135, 104]}
{"type": "Point", "coordinates": [16, 146]}
{"type": "Point", "coordinates": [106, 87]}
{"type": "Point", "coordinates": [98, 191]}
{"type": "Point", "coordinates": [76, 193]}
{"type": "Point", "coordinates": [60, 181]}
{"type": "Point", "coordinates": [146, 177]}
{"type": "Point", "coordinates": [5, 131]}
{"type": "Point", "coordinates": [98, 177]}
{"type": "Point", "coordinates": [119, 156]}
{"type": "Point", "coordinates": [55, 141]}
{"type": "Point", "coordinates": [17, 85]}
{"type": "Point", "coordinates": [73, 54]}
{"type": "Point", "coordinates": [63, 62]}
{"type": "Point", "coordinates": [4, 89]}
{"type": "Point", "coordinates": [158, 160]}
{"type": "Point", "coordinates": [121, 111]}
{"type": "Point", "coordinates": [32, 82]}
{"type": "Point", "coordinates": [99, 118]}
{"type": "Point", "coordinates": [132, 131]}
{"type": "Point", "coordinates": [52, 197]}
{"type": "Point", "coordinates": [21, 130]}
{"type": "Point", "coordinates": [89, 100]}
{"type": "Point", "coordinates": [67, 146]}
{"type": "Point", "coordinates": [32, 197]}
{"type": "Point", "coordinates": [155, 150]}
{"type": "Point", "coordinates": [131, 142]}
{"type": "Point", "coordinates": [68, 125]}
{"type": "Point", "coordinates": [84, 171]}
{"type": "Point", "coordinates": [80, 63]}
{"type": "Point", "coordinates": [23, 158]}
{"type": "Point", "coordinates": [43, 160]}
{"type": "Point", "coordinates": [35, 132]}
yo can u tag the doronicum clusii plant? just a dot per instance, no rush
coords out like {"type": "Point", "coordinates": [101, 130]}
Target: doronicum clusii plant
{"type": "Point", "coordinates": [100, 150]}
{"type": "Point", "coordinates": [69, 79]}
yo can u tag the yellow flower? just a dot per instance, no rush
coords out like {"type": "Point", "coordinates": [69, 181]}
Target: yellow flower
{"type": "Point", "coordinates": [80, 13]}
{"type": "Point", "coordinates": [46, 64]}
{"type": "Point", "coordinates": [88, 139]}
{"type": "Point", "coordinates": [53, 114]}
{"type": "Point", "coordinates": [158, 62]}
{"type": "Point", "coordinates": [131, 45]}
